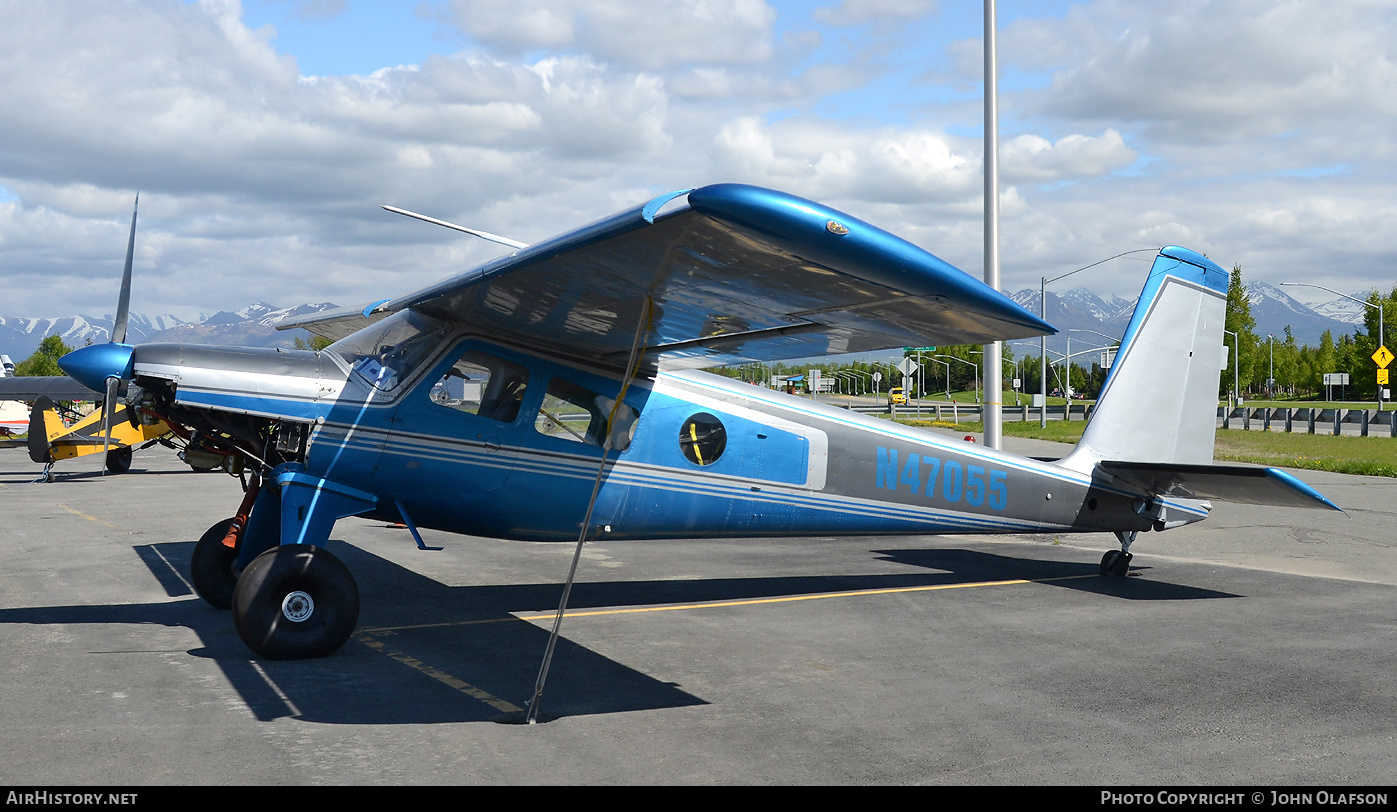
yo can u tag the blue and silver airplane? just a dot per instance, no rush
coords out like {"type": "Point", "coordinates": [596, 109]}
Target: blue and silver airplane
{"type": "Point", "coordinates": [553, 395]}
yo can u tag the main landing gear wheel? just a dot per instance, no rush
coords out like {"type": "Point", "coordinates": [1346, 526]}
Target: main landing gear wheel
{"type": "Point", "coordinates": [212, 567]}
{"type": "Point", "coordinates": [1115, 564]}
{"type": "Point", "coordinates": [119, 460]}
{"type": "Point", "coordinates": [295, 601]}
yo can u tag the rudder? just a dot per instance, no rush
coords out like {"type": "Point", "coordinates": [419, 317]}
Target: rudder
{"type": "Point", "coordinates": [1159, 402]}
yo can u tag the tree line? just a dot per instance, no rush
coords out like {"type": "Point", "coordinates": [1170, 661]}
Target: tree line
{"type": "Point", "coordinates": [1300, 369]}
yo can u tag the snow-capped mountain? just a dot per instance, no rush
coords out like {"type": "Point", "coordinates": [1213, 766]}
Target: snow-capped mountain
{"type": "Point", "coordinates": [1274, 310]}
{"type": "Point", "coordinates": [1271, 307]}
{"type": "Point", "coordinates": [250, 326]}
{"type": "Point", "coordinates": [24, 334]}
{"type": "Point", "coordinates": [1344, 310]}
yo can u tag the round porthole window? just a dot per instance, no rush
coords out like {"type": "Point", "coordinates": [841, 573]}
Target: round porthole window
{"type": "Point", "coordinates": [703, 438]}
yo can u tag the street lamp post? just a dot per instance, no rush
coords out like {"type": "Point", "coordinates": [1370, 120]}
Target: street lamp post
{"type": "Point", "coordinates": [1271, 379]}
{"type": "Point", "coordinates": [963, 361]}
{"type": "Point", "coordinates": [1043, 314]}
{"type": "Point", "coordinates": [948, 376]}
{"type": "Point", "coordinates": [1382, 338]}
{"type": "Point", "coordinates": [1236, 365]}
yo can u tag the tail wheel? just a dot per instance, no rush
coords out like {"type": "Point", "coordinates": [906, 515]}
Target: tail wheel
{"type": "Point", "coordinates": [294, 602]}
{"type": "Point", "coordinates": [212, 567]}
{"type": "Point", "coordinates": [119, 460]}
{"type": "Point", "coordinates": [1115, 564]}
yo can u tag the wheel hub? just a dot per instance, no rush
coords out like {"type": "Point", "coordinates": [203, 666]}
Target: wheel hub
{"type": "Point", "coordinates": [297, 607]}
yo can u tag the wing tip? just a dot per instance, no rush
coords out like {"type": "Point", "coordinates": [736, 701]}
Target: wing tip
{"type": "Point", "coordinates": [1296, 484]}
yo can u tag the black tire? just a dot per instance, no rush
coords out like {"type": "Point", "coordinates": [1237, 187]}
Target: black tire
{"type": "Point", "coordinates": [212, 567]}
{"type": "Point", "coordinates": [119, 460]}
{"type": "Point", "coordinates": [294, 602]}
{"type": "Point", "coordinates": [1115, 564]}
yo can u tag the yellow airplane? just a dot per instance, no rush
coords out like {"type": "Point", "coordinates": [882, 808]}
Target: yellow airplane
{"type": "Point", "coordinates": [51, 439]}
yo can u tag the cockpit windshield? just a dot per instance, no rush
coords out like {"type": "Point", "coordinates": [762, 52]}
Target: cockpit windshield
{"type": "Point", "coordinates": [384, 354]}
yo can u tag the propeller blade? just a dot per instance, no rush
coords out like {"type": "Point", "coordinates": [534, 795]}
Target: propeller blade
{"type": "Point", "coordinates": [123, 304]}
{"type": "Point", "coordinates": [108, 411]}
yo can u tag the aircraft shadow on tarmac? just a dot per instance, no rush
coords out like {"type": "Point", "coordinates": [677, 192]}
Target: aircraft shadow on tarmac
{"type": "Point", "coordinates": [465, 652]}
{"type": "Point", "coordinates": [975, 565]}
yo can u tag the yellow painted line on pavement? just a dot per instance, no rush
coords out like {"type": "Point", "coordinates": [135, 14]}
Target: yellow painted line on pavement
{"type": "Point", "coordinates": [85, 516]}
{"type": "Point", "coordinates": [372, 637]}
{"type": "Point", "coordinates": [371, 640]}
{"type": "Point", "coordinates": [716, 604]}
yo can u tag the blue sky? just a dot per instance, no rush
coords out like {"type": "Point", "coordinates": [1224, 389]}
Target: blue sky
{"type": "Point", "coordinates": [1256, 132]}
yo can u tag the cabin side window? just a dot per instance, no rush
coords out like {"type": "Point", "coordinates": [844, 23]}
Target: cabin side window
{"type": "Point", "coordinates": [386, 353]}
{"type": "Point", "coordinates": [484, 385]}
{"type": "Point", "coordinates": [575, 413]}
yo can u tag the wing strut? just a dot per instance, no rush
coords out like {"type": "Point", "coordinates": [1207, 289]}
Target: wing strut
{"type": "Point", "coordinates": [484, 235]}
{"type": "Point", "coordinates": [642, 329]}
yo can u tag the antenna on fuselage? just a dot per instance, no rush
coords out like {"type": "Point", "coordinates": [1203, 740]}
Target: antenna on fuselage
{"type": "Point", "coordinates": [484, 235]}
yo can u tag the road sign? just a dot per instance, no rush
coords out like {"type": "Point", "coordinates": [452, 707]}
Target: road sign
{"type": "Point", "coordinates": [919, 349]}
{"type": "Point", "coordinates": [1382, 377]}
{"type": "Point", "coordinates": [908, 366]}
{"type": "Point", "coordinates": [877, 376]}
{"type": "Point", "coordinates": [1383, 357]}
{"type": "Point", "coordinates": [1336, 379]}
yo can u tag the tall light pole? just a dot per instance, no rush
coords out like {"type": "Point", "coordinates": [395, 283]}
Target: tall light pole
{"type": "Point", "coordinates": [963, 361]}
{"type": "Point", "coordinates": [948, 376]}
{"type": "Point", "coordinates": [1382, 338]}
{"type": "Point", "coordinates": [1271, 380]}
{"type": "Point", "coordinates": [993, 383]}
{"type": "Point", "coordinates": [1236, 365]}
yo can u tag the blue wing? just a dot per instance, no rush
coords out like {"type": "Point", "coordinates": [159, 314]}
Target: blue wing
{"type": "Point", "coordinates": [735, 274]}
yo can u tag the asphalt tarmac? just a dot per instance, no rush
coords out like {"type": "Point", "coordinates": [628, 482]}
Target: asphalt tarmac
{"type": "Point", "coordinates": [1256, 648]}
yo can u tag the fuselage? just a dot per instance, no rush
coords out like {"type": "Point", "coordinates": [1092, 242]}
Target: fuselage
{"type": "Point", "coordinates": [481, 439]}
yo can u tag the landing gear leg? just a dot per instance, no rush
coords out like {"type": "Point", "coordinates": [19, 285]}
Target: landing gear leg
{"type": "Point", "coordinates": [297, 600]}
{"type": "Point", "coordinates": [1116, 563]}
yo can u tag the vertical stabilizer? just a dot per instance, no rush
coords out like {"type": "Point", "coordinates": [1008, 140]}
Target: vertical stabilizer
{"type": "Point", "coordinates": [1159, 403]}
{"type": "Point", "coordinates": [44, 426]}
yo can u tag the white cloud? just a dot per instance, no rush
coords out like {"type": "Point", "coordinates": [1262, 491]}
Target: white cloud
{"type": "Point", "coordinates": [643, 34]}
{"type": "Point", "coordinates": [1032, 158]}
{"type": "Point", "coordinates": [835, 162]}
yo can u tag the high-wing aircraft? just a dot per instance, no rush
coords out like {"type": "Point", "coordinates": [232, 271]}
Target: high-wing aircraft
{"type": "Point", "coordinates": [552, 394]}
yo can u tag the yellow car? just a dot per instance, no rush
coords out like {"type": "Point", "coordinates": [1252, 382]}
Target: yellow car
{"type": "Point", "coordinates": [897, 397]}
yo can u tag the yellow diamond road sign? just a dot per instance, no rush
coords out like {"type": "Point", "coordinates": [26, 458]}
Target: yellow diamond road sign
{"type": "Point", "coordinates": [1382, 357]}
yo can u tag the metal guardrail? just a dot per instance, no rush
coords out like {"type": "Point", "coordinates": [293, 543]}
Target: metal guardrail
{"type": "Point", "coordinates": [973, 412]}
{"type": "Point", "coordinates": [1309, 420]}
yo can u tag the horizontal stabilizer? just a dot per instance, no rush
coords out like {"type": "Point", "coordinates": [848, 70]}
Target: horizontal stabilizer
{"type": "Point", "coordinates": [1227, 483]}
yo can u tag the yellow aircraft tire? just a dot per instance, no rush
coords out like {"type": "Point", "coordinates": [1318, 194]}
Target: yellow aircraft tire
{"type": "Point", "coordinates": [294, 602]}
{"type": "Point", "coordinates": [211, 567]}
